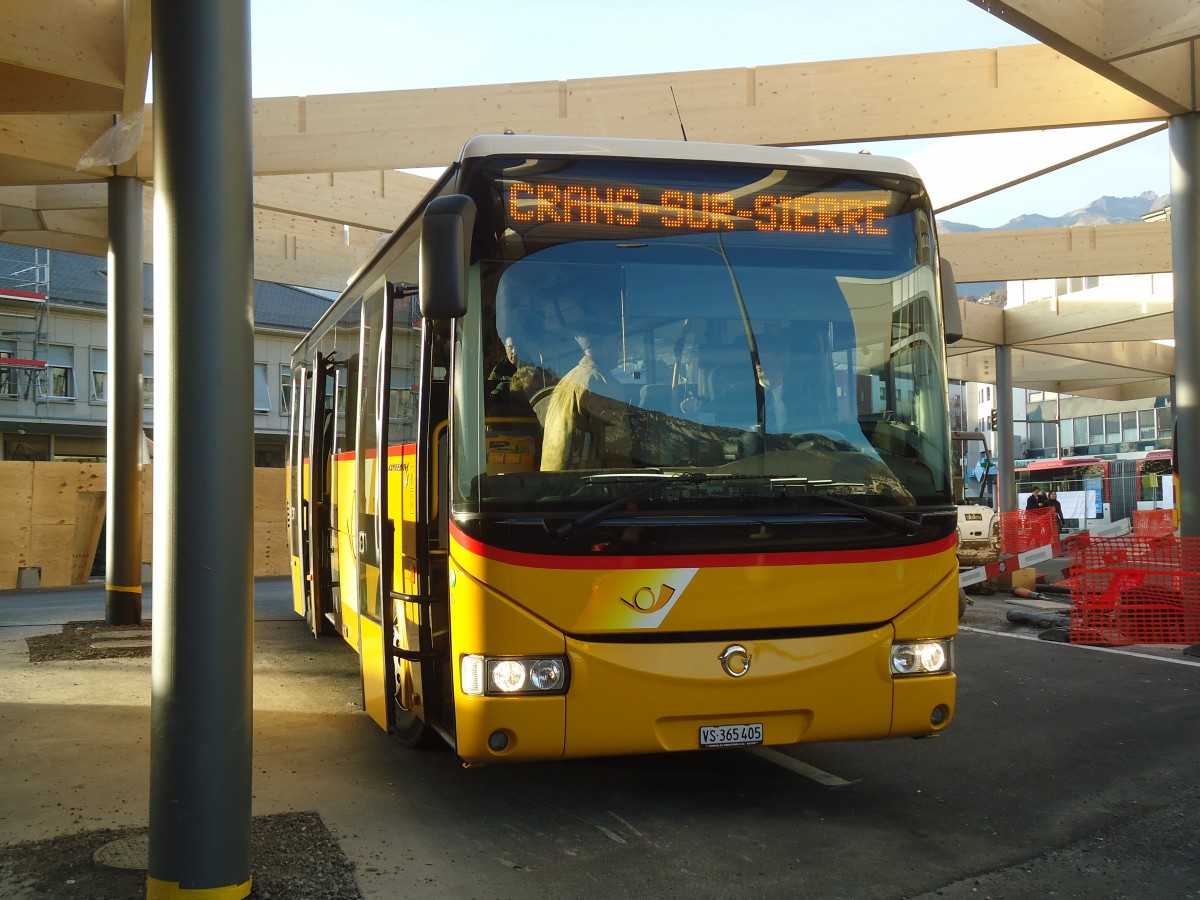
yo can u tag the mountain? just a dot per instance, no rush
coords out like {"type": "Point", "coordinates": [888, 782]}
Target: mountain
{"type": "Point", "coordinates": [1104, 211]}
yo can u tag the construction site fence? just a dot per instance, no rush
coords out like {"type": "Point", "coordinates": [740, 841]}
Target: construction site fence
{"type": "Point", "coordinates": [1153, 522]}
{"type": "Point", "coordinates": [1023, 530]}
{"type": "Point", "coordinates": [1135, 589]}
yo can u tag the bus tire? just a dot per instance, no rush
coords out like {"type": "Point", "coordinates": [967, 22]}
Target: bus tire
{"type": "Point", "coordinates": [411, 731]}
{"type": "Point", "coordinates": [963, 600]}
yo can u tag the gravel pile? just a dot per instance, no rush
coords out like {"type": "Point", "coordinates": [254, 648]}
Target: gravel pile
{"type": "Point", "coordinates": [293, 857]}
{"type": "Point", "coordinates": [91, 640]}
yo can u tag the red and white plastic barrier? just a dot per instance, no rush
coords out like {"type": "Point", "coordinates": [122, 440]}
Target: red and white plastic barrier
{"type": "Point", "coordinates": [1024, 560]}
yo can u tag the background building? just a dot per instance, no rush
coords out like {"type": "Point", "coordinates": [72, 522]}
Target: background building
{"type": "Point", "coordinates": [54, 326]}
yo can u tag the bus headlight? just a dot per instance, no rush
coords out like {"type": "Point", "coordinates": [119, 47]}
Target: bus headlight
{"type": "Point", "coordinates": [922, 658]}
{"type": "Point", "coordinates": [517, 675]}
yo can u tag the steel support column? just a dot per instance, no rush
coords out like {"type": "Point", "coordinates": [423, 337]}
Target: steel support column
{"type": "Point", "coordinates": [1185, 260]}
{"type": "Point", "coordinates": [123, 529]}
{"type": "Point", "coordinates": [1006, 481]}
{"type": "Point", "coordinates": [201, 700]}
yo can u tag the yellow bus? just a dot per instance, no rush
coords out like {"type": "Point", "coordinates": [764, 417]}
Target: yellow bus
{"type": "Point", "coordinates": [622, 447]}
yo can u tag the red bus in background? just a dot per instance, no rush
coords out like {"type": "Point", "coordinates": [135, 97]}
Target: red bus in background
{"type": "Point", "coordinates": [1096, 490]}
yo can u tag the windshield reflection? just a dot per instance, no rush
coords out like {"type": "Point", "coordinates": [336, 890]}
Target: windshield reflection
{"type": "Point", "coordinates": [733, 355]}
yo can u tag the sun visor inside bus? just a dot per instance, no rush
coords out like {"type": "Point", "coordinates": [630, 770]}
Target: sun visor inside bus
{"type": "Point", "coordinates": [445, 256]}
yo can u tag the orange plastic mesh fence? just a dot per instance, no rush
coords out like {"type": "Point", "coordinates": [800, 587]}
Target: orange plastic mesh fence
{"type": "Point", "coordinates": [1153, 522]}
{"type": "Point", "coordinates": [1026, 529]}
{"type": "Point", "coordinates": [1135, 590]}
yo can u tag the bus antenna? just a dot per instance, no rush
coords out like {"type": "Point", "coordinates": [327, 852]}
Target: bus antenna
{"type": "Point", "coordinates": [678, 114]}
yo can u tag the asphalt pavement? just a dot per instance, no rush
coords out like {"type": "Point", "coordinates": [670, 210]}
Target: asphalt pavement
{"type": "Point", "coordinates": [51, 607]}
{"type": "Point", "coordinates": [1068, 772]}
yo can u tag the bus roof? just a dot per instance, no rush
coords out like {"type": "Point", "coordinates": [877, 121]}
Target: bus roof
{"type": "Point", "coordinates": [1062, 463]}
{"type": "Point", "coordinates": [683, 151]}
{"type": "Point", "coordinates": [486, 145]}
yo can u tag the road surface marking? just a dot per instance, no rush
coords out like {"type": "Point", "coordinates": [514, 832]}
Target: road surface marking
{"type": "Point", "coordinates": [800, 768]}
{"type": "Point", "coordinates": [1117, 650]}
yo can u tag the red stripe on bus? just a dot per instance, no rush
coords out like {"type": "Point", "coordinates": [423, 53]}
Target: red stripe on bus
{"type": "Point", "coordinates": [395, 450]}
{"type": "Point", "coordinates": [707, 561]}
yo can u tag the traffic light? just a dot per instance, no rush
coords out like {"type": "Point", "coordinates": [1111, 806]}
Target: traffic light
{"type": "Point", "coordinates": [992, 419]}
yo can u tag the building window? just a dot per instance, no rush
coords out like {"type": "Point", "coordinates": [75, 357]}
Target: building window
{"type": "Point", "coordinates": [285, 390]}
{"type": "Point", "coordinates": [60, 373]}
{"type": "Point", "coordinates": [1129, 426]}
{"type": "Point", "coordinates": [402, 395]}
{"type": "Point", "coordinates": [1095, 429]}
{"type": "Point", "coordinates": [262, 390]}
{"type": "Point", "coordinates": [1166, 422]}
{"type": "Point", "coordinates": [1068, 433]}
{"type": "Point", "coordinates": [98, 384]}
{"type": "Point", "coordinates": [1080, 430]}
{"type": "Point", "coordinates": [1074, 285]}
{"type": "Point", "coordinates": [8, 376]}
{"type": "Point", "coordinates": [1043, 436]}
{"type": "Point", "coordinates": [1147, 429]}
{"type": "Point", "coordinates": [1034, 431]}
{"type": "Point", "coordinates": [1112, 422]}
{"type": "Point", "coordinates": [27, 447]}
{"type": "Point", "coordinates": [147, 379]}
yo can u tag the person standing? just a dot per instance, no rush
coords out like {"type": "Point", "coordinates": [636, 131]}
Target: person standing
{"type": "Point", "coordinates": [1037, 500]}
{"type": "Point", "coordinates": [1052, 501]}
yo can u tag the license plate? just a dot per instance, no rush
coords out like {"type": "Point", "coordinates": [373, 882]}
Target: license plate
{"type": "Point", "coordinates": [731, 735]}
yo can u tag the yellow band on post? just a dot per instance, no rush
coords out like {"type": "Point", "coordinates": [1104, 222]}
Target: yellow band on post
{"type": "Point", "coordinates": [137, 589]}
{"type": "Point", "coordinates": [170, 890]}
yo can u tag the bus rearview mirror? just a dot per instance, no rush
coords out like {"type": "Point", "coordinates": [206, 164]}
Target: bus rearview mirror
{"type": "Point", "coordinates": [445, 256]}
{"type": "Point", "coordinates": [951, 314]}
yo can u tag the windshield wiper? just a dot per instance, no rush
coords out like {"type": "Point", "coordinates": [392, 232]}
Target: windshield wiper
{"type": "Point", "coordinates": [646, 483]}
{"type": "Point", "coordinates": [871, 514]}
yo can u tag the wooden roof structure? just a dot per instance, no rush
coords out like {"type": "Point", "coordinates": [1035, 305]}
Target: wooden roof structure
{"type": "Point", "coordinates": [73, 78]}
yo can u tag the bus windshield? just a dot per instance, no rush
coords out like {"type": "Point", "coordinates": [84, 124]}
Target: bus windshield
{"type": "Point", "coordinates": [771, 334]}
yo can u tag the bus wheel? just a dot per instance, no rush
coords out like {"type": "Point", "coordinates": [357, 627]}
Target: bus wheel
{"type": "Point", "coordinates": [411, 731]}
{"type": "Point", "coordinates": [963, 600]}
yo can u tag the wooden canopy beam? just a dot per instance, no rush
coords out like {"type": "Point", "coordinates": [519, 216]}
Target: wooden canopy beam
{"type": "Point", "coordinates": [1145, 48]}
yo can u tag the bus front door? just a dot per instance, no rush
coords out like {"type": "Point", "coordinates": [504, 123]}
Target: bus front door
{"type": "Point", "coordinates": [320, 611]}
{"type": "Point", "coordinates": [297, 490]}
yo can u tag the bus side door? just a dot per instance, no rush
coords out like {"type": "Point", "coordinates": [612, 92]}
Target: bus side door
{"type": "Point", "coordinates": [310, 451]}
{"type": "Point", "coordinates": [395, 511]}
{"type": "Point", "coordinates": [297, 491]}
{"type": "Point", "coordinates": [373, 533]}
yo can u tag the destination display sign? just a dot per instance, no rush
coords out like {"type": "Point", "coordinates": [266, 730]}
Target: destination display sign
{"type": "Point", "coordinates": [616, 207]}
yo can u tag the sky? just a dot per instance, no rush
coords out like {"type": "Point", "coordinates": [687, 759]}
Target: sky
{"type": "Point", "coordinates": [306, 47]}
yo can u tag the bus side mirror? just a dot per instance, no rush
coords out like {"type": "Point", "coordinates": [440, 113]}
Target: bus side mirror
{"type": "Point", "coordinates": [951, 314]}
{"type": "Point", "coordinates": [446, 230]}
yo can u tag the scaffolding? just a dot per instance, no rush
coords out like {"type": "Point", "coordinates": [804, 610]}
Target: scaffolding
{"type": "Point", "coordinates": [24, 322]}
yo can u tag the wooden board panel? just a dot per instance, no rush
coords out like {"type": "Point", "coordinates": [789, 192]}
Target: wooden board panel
{"type": "Point", "coordinates": [16, 489]}
{"type": "Point", "coordinates": [271, 555]}
{"type": "Point", "coordinates": [269, 502]}
{"type": "Point", "coordinates": [56, 510]}
{"type": "Point", "coordinates": [50, 548]}
{"type": "Point", "coordinates": [55, 485]}
{"type": "Point", "coordinates": [89, 522]}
